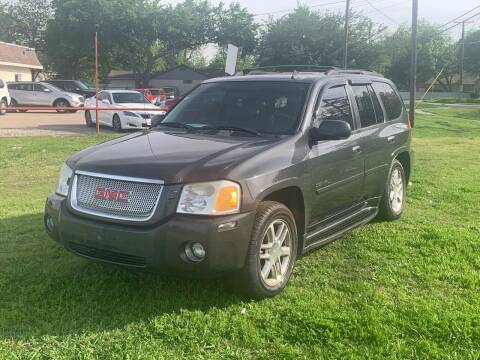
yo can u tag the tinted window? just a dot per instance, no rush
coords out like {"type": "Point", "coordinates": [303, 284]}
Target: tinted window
{"type": "Point", "coordinates": [267, 107]}
{"type": "Point", "coordinates": [39, 87]}
{"type": "Point", "coordinates": [24, 87]}
{"type": "Point", "coordinates": [391, 101]}
{"type": "Point", "coordinates": [335, 106]}
{"type": "Point", "coordinates": [134, 97]}
{"type": "Point", "coordinates": [103, 96]}
{"type": "Point", "coordinates": [376, 105]}
{"type": "Point", "coordinates": [365, 105]}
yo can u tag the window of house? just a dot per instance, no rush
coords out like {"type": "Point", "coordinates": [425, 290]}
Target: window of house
{"type": "Point", "coordinates": [390, 99]}
{"type": "Point", "coordinates": [334, 106]}
{"type": "Point", "coordinates": [365, 105]}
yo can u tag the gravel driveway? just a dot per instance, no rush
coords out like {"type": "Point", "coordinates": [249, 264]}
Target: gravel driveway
{"type": "Point", "coordinates": [44, 123]}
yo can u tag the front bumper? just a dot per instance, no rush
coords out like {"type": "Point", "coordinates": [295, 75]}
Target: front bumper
{"type": "Point", "coordinates": [158, 247]}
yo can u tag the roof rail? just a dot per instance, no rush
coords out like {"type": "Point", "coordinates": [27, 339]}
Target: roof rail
{"type": "Point", "coordinates": [288, 69]}
{"type": "Point", "coordinates": [353, 72]}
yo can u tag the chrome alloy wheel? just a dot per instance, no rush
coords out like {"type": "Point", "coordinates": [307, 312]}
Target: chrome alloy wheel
{"type": "Point", "coordinates": [396, 191]}
{"type": "Point", "coordinates": [275, 252]}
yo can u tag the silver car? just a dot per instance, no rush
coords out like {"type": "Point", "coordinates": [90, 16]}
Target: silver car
{"type": "Point", "coordinates": [42, 94]}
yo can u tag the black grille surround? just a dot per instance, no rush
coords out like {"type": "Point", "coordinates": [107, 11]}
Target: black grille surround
{"type": "Point", "coordinates": [107, 255]}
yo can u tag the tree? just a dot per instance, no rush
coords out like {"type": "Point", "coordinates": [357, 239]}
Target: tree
{"type": "Point", "coordinates": [472, 52]}
{"type": "Point", "coordinates": [435, 52]}
{"type": "Point", "coordinates": [8, 23]}
{"type": "Point", "coordinates": [28, 22]}
{"type": "Point", "coordinates": [314, 38]}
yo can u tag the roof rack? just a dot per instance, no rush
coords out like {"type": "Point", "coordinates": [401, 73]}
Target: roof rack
{"type": "Point", "coordinates": [353, 72]}
{"type": "Point", "coordinates": [288, 69]}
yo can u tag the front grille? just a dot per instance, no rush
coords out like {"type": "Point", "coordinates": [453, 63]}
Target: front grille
{"type": "Point", "coordinates": [81, 99]}
{"type": "Point", "coordinates": [107, 255]}
{"type": "Point", "coordinates": [115, 197]}
{"type": "Point", "coordinates": [146, 116]}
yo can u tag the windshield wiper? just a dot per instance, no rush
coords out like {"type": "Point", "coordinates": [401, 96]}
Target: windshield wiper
{"type": "Point", "coordinates": [232, 128]}
{"type": "Point", "coordinates": [177, 125]}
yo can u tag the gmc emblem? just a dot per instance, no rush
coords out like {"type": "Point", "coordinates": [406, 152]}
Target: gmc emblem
{"type": "Point", "coordinates": [112, 195]}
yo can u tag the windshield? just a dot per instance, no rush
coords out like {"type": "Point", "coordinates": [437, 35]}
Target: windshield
{"type": "Point", "coordinates": [130, 97]}
{"type": "Point", "coordinates": [156, 91]}
{"type": "Point", "coordinates": [81, 85]}
{"type": "Point", "coordinates": [261, 106]}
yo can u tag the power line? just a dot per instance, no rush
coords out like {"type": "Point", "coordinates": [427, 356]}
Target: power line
{"type": "Point", "coordinates": [311, 6]}
{"type": "Point", "coordinates": [459, 17]}
{"type": "Point", "coordinates": [455, 25]}
{"type": "Point", "coordinates": [382, 13]}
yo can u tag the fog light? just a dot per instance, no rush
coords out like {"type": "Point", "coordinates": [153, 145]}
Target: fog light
{"type": "Point", "coordinates": [195, 252]}
{"type": "Point", "coordinates": [49, 224]}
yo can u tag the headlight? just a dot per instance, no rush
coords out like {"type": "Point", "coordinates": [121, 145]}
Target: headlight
{"type": "Point", "coordinates": [212, 198]}
{"type": "Point", "coordinates": [64, 180]}
{"type": "Point", "coordinates": [129, 113]}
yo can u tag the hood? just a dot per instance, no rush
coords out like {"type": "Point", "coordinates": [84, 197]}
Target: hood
{"type": "Point", "coordinates": [172, 156]}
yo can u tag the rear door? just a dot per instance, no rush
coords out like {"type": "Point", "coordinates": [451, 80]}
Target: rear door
{"type": "Point", "coordinates": [23, 94]}
{"type": "Point", "coordinates": [336, 166]}
{"type": "Point", "coordinates": [371, 138]}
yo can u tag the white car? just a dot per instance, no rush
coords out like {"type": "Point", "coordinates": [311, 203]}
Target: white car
{"type": "Point", "coordinates": [4, 97]}
{"type": "Point", "coordinates": [121, 117]}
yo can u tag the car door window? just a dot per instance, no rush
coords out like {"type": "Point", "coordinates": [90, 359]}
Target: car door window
{"type": "Point", "coordinates": [39, 87]}
{"type": "Point", "coordinates": [334, 106]}
{"type": "Point", "coordinates": [376, 105]}
{"type": "Point", "coordinates": [390, 99]}
{"type": "Point", "coordinates": [365, 105]}
{"type": "Point", "coordinates": [25, 87]}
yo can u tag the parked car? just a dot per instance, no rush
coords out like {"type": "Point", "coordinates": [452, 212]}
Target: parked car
{"type": "Point", "coordinates": [245, 175]}
{"type": "Point", "coordinates": [42, 94]}
{"type": "Point", "coordinates": [155, 96]}
{"type": "Point", "coordinates": [172, 96]}
{"type": "Point", "coordinates": [121, 117]}
{"type": "Point", "coordinates": [4, 97]}
{"type": "Point", "coordinates": [74, 86]}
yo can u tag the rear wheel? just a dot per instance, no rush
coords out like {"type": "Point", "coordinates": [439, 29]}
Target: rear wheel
{"type": "Point", "coordinates": [61, 103]}
{"type": "Point", "coordinates": [88, 119]}
{"type": "Point", "coordinates": [3, 107]}
{"type": "Point", "coordinates": [116, 123]}
{"type": "Point", "coordinates": [393, 201]}
{"type": "Point", "coordinates": [14, 103]}
{"type": "Point", "coordinates": [272, 251]}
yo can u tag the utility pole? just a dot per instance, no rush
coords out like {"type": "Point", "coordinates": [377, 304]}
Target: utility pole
{"type": "Point", "coordinates": [462, 52]}
{"type": "Point", "coordinates": [413, 62]}
{"type": "Point", "coordinates": [345, 49]}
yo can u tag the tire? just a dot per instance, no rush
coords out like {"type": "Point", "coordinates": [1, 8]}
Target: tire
{"type": "Point", "coordinates": [88, 119]}
{"type": "Point", "coordinates": [393, 200]}
{"type": "Point", "coordinates": [61, 103]}
{"type": "Point", "coordinates": [3, 107]}
{"type": "Point", "coordinates": [72, 111]}
{"type": "Point", "coordinates": [253, 283]}
{"type": "Point", "coordinates": [14, 103]}
{"type": "Point", "coordinates": [116, 123]}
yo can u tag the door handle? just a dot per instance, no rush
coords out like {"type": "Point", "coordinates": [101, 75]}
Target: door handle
{"type": "Point", "coordinates": [391, 139]}
{"type": "Point", "coordinates": [357, 149]}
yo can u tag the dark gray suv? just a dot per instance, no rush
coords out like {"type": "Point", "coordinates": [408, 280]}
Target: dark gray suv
{"type": "Point", "coordinates": [244, 175]}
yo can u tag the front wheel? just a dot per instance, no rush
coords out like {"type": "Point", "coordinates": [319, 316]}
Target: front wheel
{"type": "Point", "coordinates": [116, 123]}
{"type": "Point", "coordinates": [393, 201]}
{"type": "Point", "coordinates": [62, 103]}
{"type": "Point", "coordinates": [88, 119]}
{"type": "Point", "coordinates": [3, 107]}
{"type": "Point", "coordinates": [272, 251]}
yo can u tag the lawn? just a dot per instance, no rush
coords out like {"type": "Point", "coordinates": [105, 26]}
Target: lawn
{"type": "Point", "coordinates": [408, 289]}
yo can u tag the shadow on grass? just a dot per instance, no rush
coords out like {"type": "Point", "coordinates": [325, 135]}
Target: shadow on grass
{"type": "Point", "coordinates": [44, 290]}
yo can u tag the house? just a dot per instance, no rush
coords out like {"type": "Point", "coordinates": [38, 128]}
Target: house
{"type": "Point", "coordinates": [19, 63]}
{"type": "Point", "coordinates": [471, 84]}
{"type": "Point", "coordinates": [182, 77]}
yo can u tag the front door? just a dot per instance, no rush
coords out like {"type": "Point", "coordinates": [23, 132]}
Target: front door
{"type": "Point", "coordinates": [43, 96]}
{"type": "Point", "coordinates": [336, 166]}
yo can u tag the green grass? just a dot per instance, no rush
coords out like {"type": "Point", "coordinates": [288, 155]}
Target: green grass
{"type": "Point", "coordinates": [455, 101]}
{"type": "Point", "coordinates": [408, 289]}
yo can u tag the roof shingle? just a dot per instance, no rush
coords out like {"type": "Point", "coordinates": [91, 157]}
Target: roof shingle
{"type": "Point", "coordinates": [16, 54]}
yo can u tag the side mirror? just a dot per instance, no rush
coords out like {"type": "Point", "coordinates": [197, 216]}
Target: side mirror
{"type": "Point", "coordinates": [105, 101]}
{"type": "Point", "coordinates": [331, 130]}
{"type": "Point", "coordinates": [47, 90]}
{"type": "Point", "coordinates": [157, 119]}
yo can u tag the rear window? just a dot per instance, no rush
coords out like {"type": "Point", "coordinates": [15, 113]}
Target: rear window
{"type": "Point", "coordinates": [263, 106]}
{"type": "Point", "coordinates": [390, 99]}
{"type": "Point", "coordinates": [365, 105]}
